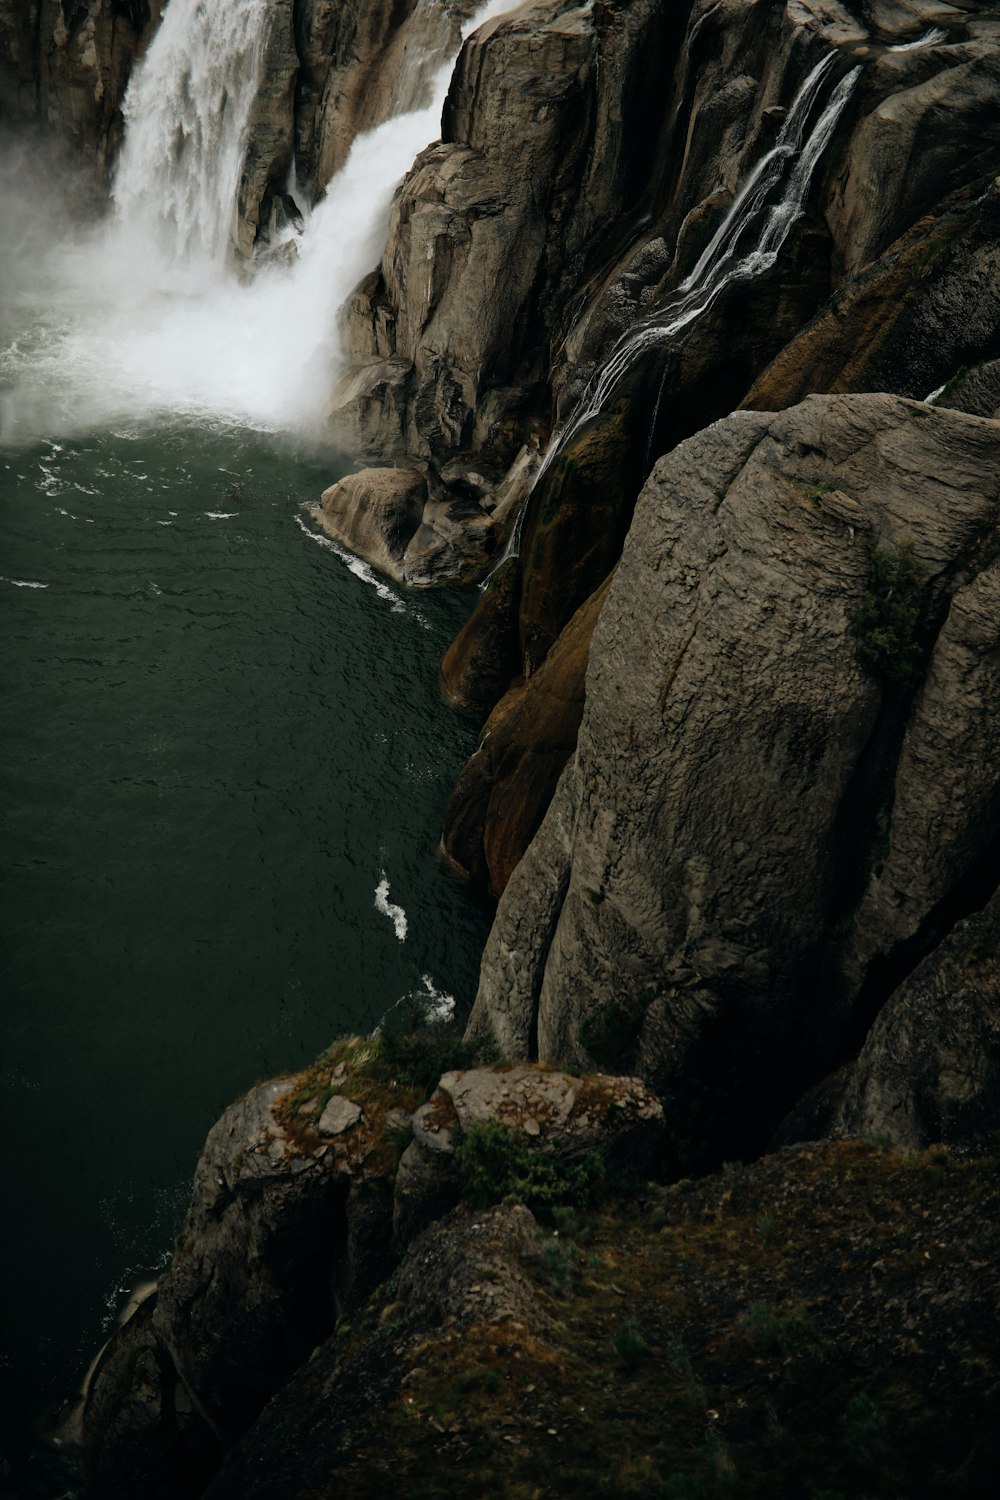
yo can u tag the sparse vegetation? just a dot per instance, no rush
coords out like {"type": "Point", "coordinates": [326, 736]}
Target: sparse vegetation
{"type": "Point", "coordinates": [417, 1049]}
{"type": "Point", "coordinates": [886, 625]}
{"type": "Point", "coordinates": [497, 1162]}
{"type": "Point", "coordinates": [745, 1344]}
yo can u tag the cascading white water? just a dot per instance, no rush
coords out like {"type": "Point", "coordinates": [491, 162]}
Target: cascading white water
{"type": "Point", "coordinates": [931, 38]}
{"type": "Point", "coordinates": [147, 316]}
{"type": "Point", "coordinates": [186, 116]}
{"type": "Point", "coordinates": [746, 244]}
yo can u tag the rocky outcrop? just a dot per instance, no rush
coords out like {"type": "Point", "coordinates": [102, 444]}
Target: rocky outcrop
{"type": "Point", "coordinates": [609, 206]}
{"type": "Point", "coordinates": [408, 524]}
{"type": "Point", "coordinates": [565, 1117]}
{"type": "Point", "coordinates": [307, 1193]}
{"type": "Point", "coordinates": [930, 1067]}
{"type": "Point", "coordinates": [777, 789]}
{"type": "Point", "coordinates": [68, 67]}
{"type": "Point", "coordinates": [331, 70]}
{"type": "Point", "coordinates": [918, 316]}
{"type": "Point", "coordinates": [463, 347]}
{"type": "Point", "coordinates": [828, 1316]}
{"type": "Point", "coordinates": [357, 69]}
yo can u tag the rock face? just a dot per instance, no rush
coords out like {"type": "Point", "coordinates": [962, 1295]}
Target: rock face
{"type": "Point", "coordinates": [928, 308]}
{"type": "Point", "coordinates": [502, 793]}
{"type": "Point", "coordinates": [304, 1200]}
{"type": "Point", "coordinates": [575, 188]}
{"type": "Point", "coordinates": [564, 1116]}
{"type": "Point", "coordinates": [850, 1298]}
{"type": "Point", "coordinates": [930, 1067]}
{"type": "Point", "coordinates": [330, 70]}
{"type": "Point", "coordinates": [68, 67]}
{"type": "Point", "coordinates": [603, 143]}
{"type": "Point", "coordinates": [269, 1250]}
{"type": "Point", "coordinates": [755, 826]}
{"type": "Point", "coordinates": [406, 523]}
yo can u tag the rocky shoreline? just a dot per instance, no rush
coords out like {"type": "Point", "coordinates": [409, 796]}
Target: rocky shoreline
{"type": "Point", "coordinates": [736, 790]}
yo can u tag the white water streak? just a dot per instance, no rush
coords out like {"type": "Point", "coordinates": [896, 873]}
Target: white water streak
{"type": "Point", "coordinates": [930, 38]}
{"type": "Point", "coordinates": [355, 565]}
{"type": "Point", "coordinates": [386, 908]}
{"type": "Point", "coordinates": [727, 258]}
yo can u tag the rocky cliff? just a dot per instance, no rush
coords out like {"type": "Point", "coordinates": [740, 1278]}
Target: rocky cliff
{"type": "Point", "coordinates": [785, 778]}
{"type": "Point", "coordinates": [657, 324]}
{"type": "Point", "coordinates": [67, 68]}
{"type": "Point", "coordinates": [520, 255]}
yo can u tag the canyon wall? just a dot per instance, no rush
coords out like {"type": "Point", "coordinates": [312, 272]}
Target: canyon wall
{"type": "Point", "coordinates": [737, 790]}
{"type": "Point", "coordinates": [66, 67]}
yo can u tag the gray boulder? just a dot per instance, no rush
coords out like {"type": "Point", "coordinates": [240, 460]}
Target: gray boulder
{"type": "Point", "coordinates": [755, 821]}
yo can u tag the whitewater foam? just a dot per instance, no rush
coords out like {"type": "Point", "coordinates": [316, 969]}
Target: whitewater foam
{"type": "Point", "coordinates": [387, 908]}
{"type": "Point", "coordinates": [146, 316]}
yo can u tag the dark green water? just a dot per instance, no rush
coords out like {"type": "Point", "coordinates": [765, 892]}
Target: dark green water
{"type": "Point", "coordinates": [217, 740]}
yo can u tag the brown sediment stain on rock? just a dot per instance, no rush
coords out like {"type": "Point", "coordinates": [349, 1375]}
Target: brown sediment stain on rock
{"type": "Point", "coordinates": [503, 790]}
{"type": "Point", "coordinates": [908, 322]}
{"type": "Point", "coordinates": [485, 656]}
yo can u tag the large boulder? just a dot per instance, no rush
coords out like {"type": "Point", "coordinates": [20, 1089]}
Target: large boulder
{"type": "Point", "coordinates": [779, 783]}
{"type": "Point", "coordinates": [930, 1067]}
{"type": "Point", "coordinates": [562, 1116]}
{"type": "Point", "coordinates": [406, 523]}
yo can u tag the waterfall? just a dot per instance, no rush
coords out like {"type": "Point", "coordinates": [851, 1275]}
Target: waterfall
{"type": "Point", "coordinates": [147, 316]}
{"type": "Point", "coordinates": [186, 116]}
{"type": "Point", "coordinates": [746, 244]}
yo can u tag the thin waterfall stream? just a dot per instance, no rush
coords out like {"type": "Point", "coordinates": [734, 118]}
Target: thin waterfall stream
{"type": "Point", "coordinates": [746, 244]}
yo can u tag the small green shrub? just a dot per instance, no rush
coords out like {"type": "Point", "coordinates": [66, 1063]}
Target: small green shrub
{"type": "Point", "coordinates": [864, 1430]}
{"type": "Point", "coordinates": [885, 626]}
{"type": "Point", "coordinates": [793, 1335]}
{"type": "Point", "coordinates": [496, 1162]}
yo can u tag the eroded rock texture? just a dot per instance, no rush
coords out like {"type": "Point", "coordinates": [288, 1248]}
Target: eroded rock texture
{"type": "Point", "coordinates": [67, 66]}
{"type": "Point", "coordinates": [755, 827]}
{"type": "Point", "coordinates": [930, 1067]}
{"type": "Point", "coordinates": [306, 1195]}
{"type": "Point", "coordinates": [886, 281]}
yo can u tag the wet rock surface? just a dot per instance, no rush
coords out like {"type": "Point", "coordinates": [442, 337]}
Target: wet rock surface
{"type": "Point", "coordinates": [67, 68]}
